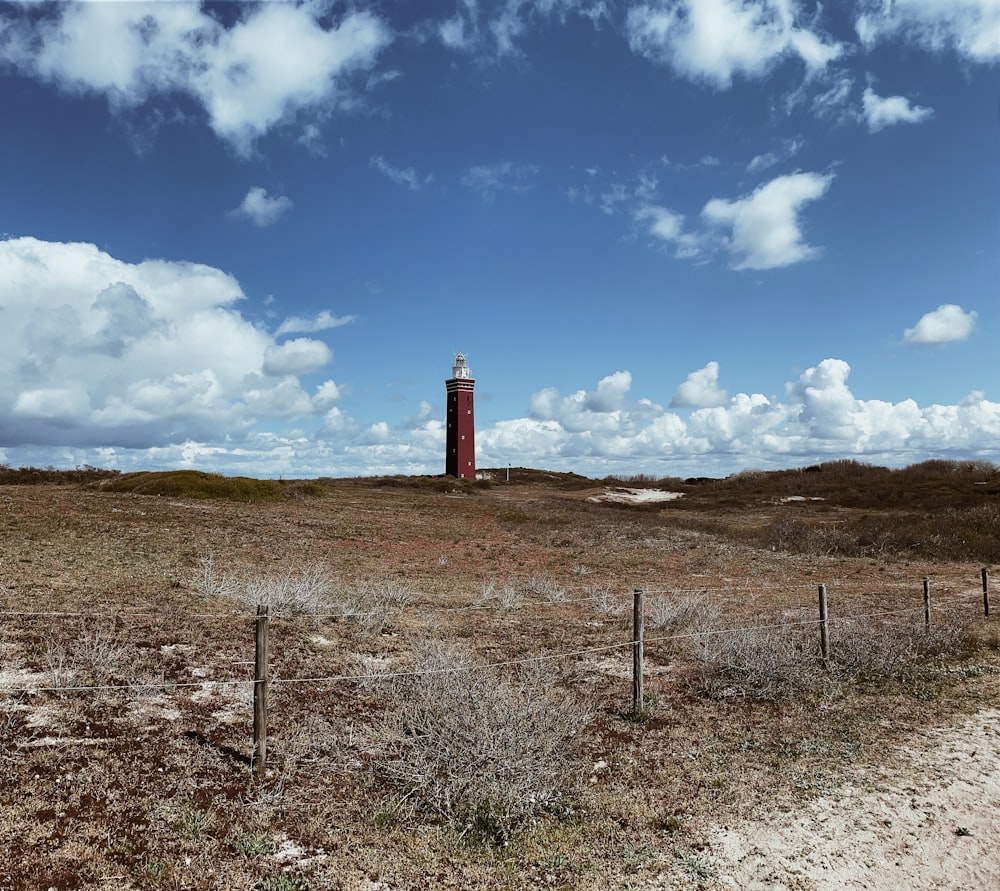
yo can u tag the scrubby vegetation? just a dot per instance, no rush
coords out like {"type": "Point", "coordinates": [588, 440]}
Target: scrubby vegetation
{"type": "Point", "coordinates": [450, 688]}
{"type": "Point", "coordinates": [487, 750]}
{"type": "Point", "coordinates": [196, 484]}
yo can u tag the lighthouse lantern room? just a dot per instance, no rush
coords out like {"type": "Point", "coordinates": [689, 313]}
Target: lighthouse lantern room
{"type": "Point", "coordinates": [460, 460]}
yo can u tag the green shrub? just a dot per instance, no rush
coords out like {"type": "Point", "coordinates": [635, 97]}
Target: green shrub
{"type": "Point", "coordinates": [197, 484]}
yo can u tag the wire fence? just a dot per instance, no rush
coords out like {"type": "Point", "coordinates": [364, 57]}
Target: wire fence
{"type": "Point", "coordinates": [626, 646]}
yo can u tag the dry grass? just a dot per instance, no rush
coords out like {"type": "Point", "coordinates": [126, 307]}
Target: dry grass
{"type": "Point", "coordinates": [142, 787]}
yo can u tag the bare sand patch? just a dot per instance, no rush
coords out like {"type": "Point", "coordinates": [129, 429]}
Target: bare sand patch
{"type": "Point", "coordinates": [928, 817]}
{"type": "Point", "coordinates": [626, 495]}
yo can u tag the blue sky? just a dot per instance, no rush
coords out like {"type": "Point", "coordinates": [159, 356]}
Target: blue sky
{"type": "Point", "coordinates": [673, 237]}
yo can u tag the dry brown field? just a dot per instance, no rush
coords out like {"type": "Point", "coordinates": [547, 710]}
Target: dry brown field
{"type": "Point", "coordinates": [128, 640]}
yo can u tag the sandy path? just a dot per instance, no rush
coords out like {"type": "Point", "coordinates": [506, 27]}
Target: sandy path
{"type": "Point", "coordinates": [928, 819]}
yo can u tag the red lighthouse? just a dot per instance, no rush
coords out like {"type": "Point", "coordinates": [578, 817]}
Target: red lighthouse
{"type": "Point", "coordinates": [460, 459]}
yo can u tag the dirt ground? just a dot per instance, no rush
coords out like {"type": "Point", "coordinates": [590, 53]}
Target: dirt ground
{"type": "Point", "coordinates": [135, 772]}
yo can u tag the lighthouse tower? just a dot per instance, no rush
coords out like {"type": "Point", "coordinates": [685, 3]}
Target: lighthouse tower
{"type": "Point", "coordinates": [460, 459]}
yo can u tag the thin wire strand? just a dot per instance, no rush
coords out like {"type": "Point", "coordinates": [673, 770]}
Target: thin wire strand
{"type": "Point", "coordinates": [383, 676]}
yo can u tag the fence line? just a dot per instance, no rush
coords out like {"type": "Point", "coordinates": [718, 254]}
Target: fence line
{"type": "Point", "coordinates": [542, 600]}
{"type": "Point", "coordinates": [392, 675]}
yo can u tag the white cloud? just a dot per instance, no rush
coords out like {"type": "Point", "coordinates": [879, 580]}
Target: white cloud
{"type": "Point", "coordinates": [819, 419]}
{"type": "Point", "coordinates": [322, 321]}
{"type": "Point", "coordinates": [495, 30]}
{"type": "Point", "coordinates": [401, 176]}
{"type": "Point", "coordinates": [599, 412]}
{"type": "Point", "coordinates": [642, 189]}
{"type": "Point", "coordinates": [827, 405]}
{"type": "Point", "coordinates": [260, 209]}
{"type": "Point", "coordinates": [884, 111]}
{"type": "Point", "coordinates": [789, 148]}
{"type": "Point", "coordinates": [667, 226]}
{"type": "Point", "coordinates": [610, 393]}
{"type": "Point", "coordinates": [201, 419]}
{"type": "Point", "coordinates": [946, 324]}
{"type": "Point", "coordinates": [303, 355]}
{"type": "Point", "coordinates": [488, 179]}
{"type": "Point", "coordinates": [716, 40]}
{"type": "Point", "coordinates": [969, 27]}
{"type": "Point", "coordinates": [274, 62]}
{"type": "Point", "coordinates": [701, 389]}
{"type": "Point", "coordinates": [765, 228]}
{"type": "Point", "coordinates": [454, 34]}
{"type": "Point", "coordinates": [156, 352]}
{"type": "Point", "coordinates": [833, 103]}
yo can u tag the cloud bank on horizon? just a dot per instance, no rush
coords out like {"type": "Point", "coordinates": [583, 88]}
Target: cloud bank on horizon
{"type": "Point", "coordinates": [126, 353]}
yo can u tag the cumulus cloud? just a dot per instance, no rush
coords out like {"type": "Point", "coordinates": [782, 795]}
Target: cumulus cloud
{"type": "Point", "coordinates": [95, 351]}
{"type": "Point", "coordinates": [946, 324]}
{"type": "Point", "coordinates": [884, 111]}
{"type": "Point", "coordinates": [303, 355]}
{"type": "Point", "coordinates": [261, 209]}
{"type": "Point", "coordinates": [701, 389]}
{"type": "Point", "coordinates": [820, 418]}
{"type": "Point", "coordinates": [969, 27]}
{"type": "Point", "coordinates": [275, 61]}
{"type": "Point", "coordinates": [322, 321]}
{"type": "Point", "coordinates": [599, 410]}
{"type": "Point", "coordinates": [716, 40]}
{"type": "Point", "coordinates": [764, 226]}
{"type": "Point", "coordinates": [181, 417]}
{"type": "Point", "coordinates": [759, 231]}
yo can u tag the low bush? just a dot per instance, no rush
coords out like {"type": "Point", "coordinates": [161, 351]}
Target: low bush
{"type": "Point", "coordinates": [97, 656]}
{"type": "Point", "coordinates": [303, 591]}
{"type": "Point", "coordinates": [486, 751]}
{"type": "Point", "coordinates": [876, 649]}
{"type": "Point", "coordinates": [777, 659]}
{"type": "Point", "coordinates": [37, 476]}
{"type": "Point", "coordinates": [200, 485]}
{"type": "Point", "coordinates": [766, 661]}
{"type": "Point", "coordinates": [682, 613]}
{"type": "Point", "coordinates": [309, 590]}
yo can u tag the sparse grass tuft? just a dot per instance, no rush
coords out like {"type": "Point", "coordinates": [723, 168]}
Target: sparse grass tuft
{"type": "Point", "coordinates": [374, 603]}
{"type": "Point", "coordinates": [547, 588]}
{"type": "Point", "coordinates": [303, 591]}
{"type": "Point", "coordinates": [506, 595]}
{"type": "Point", "coordinates": [248, 843]}
{"type": "Point", "coordinates": [208, 582]}
{"type": "Point", "coordinates": [607, 601]}
{"type": "Point", "coordinates": [95, 657]}
{"type": "Point", "coordinates": [682, 613]}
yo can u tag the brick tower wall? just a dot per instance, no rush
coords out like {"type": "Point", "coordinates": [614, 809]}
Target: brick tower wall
{"type": "Point", "coordinates": [460, 458]}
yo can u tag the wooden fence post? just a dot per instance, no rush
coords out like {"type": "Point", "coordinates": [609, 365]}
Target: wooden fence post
{"type": "Point", "coordinates": [824, 630]}
{"type": "Point", "coordinates": [927, 603]}
{"type": "Point", "coordinates": [261, 627]}
{"type": "Point", "coordinates": [637, 634]}
{"type": "Point", "coordinates": [986, 592]}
